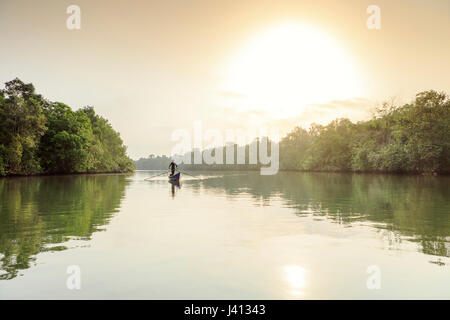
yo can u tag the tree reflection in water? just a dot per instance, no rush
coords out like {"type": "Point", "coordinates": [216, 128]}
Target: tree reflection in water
{"type": "Point", "coordinates": [39, 214]}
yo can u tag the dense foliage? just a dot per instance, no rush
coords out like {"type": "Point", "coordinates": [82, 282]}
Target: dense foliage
{"type": "Point", "coordinates": [162, 162]}
{"type": "Point", "coordinates": [413, 138]}
{"type": "Point", "coordinates": [39, 136]}
{"type": "Point", "coordinates": [153, 163]}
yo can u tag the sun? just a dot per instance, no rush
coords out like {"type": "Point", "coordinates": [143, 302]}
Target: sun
{"type": "Point", "coordinates": [287, 67]}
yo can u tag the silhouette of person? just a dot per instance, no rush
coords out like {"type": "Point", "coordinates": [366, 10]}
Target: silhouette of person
{"type": "Point", "coordinates": [172, 167]}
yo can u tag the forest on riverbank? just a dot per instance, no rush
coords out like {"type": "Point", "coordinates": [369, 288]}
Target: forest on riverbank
{"type": "Point", "coordinates": [412, 138]}
{"type": "Point", "coordinates": [38, 136]}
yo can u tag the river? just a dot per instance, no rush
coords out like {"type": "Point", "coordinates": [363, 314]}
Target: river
{"type": "Point", "coordinates": [225, 235]}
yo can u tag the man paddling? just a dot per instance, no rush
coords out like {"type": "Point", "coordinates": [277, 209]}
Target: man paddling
{"type": "Point", "coordinates": [172, 167]}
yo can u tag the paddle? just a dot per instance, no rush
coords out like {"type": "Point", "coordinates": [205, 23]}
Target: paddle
{"type": "Point", "coordinates": [187, 173]}
{"type": "Point", "coordinates": [155, 176]}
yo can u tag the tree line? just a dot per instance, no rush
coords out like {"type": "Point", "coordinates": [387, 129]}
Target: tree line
{"type": "Point", "coordinates": [38, 136]}
{"type": "Point", "coordinates": [411, 138]}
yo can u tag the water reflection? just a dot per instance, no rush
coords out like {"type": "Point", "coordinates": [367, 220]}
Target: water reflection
{"type": "Point", "coordinates": [412, 208]}
{"type": "Point", "coordinates": [296, 279]}
{"type": "Point", "coordinates": [175, 185]}
{"type": "Point", "coordinates": [39, 214]}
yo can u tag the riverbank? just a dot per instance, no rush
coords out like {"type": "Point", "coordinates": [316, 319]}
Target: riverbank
{"type": "Point", "coordinates": [67, 174]}
{"type": "Point", "coordinates": [39, 136]}
{"type": "Point", "coordinates": [410, 139]}
{"type": "Point", "coordinates": [434, 174]}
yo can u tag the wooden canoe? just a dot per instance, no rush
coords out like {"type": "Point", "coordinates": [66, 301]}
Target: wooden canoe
{"type": "Point", "coordinates": [175, 176]}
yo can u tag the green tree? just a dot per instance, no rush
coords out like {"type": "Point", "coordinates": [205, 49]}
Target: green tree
{"type": "Point", "coordinates": [107, 152]}
{"type": "Point", "coordinates": [331, 147]}
{"type": "Point", "coordinates": [293, 147]}
{"type": "Point", "coordinates": [64, 148]}
{"type": "Point", "coordinates": [38, 136]}
{"type": "Point", "coordinates": [426, 126]}
{"type": "Point", "coordinates": [23, 124]}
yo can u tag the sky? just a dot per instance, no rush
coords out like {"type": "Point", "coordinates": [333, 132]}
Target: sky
{"type": "Point", "coordinates": [152, 67]}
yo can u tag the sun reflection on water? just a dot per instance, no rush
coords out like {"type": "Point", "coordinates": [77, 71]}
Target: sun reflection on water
{"type": "Point", "coordinates": [296, 279]}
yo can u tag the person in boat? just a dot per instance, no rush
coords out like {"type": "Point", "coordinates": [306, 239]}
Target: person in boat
{"type": "Point", "coordinates": [172, 167]}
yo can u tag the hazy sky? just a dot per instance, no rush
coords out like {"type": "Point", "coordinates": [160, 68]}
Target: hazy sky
{"type": "Point", "coordinates": [151, 67]}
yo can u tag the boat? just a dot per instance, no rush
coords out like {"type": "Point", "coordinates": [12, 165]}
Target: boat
{"type": "Point", "coordinates": [175, 176]}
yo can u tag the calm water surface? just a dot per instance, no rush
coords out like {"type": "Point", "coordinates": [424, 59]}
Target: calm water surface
{"type": "Point", "coordinates": [225, 236]}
